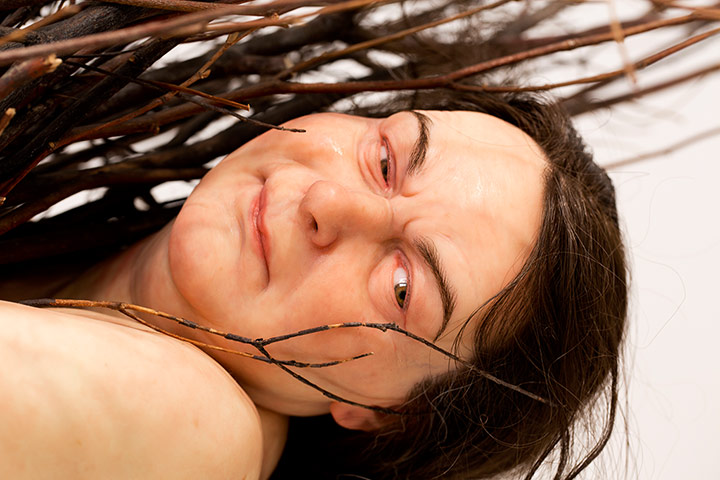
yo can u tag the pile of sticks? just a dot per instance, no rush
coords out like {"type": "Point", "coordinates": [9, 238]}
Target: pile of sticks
{"type": "Point", "coordinates": [112, 94]}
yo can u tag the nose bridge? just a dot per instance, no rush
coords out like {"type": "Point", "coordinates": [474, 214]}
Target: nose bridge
{"type": "Point", "coordinates": [338, 211]}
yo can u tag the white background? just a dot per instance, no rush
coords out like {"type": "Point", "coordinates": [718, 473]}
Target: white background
{"type": "Point", "coordinates": [670, 209]}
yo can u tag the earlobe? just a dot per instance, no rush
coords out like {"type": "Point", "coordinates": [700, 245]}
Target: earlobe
{"type": "Point", "coordinates": [356, 418]}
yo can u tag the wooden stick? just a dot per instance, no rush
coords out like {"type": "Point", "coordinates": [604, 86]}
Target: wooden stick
{"type": "Point", "coordinates": [181, 25]}
{"type": "Point", "coordinates": [21, 73]}
{"type": "Point", "coordinates": [261, 343]}
{"type": "Point", "coordinates": [19, 35]}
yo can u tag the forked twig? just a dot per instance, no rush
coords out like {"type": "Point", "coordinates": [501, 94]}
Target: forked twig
{"type": "Point", "coordinates": [264, 358]}
{"type": "Point", "coordinates": [188, 94]}
{"type": "Point", "coordinates": [261, 343]}
{"type": "Point", "coordinates": [200, 73]}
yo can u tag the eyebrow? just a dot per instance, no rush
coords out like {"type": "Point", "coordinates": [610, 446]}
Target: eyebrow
{"type": "Point", "coordinates": [426, 247]}
{"type": "Point", "coordinates": [428, 251]}
{"type": "Point", "coordinates": [419, 152]}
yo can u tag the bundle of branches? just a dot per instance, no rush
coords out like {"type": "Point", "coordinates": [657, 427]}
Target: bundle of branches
{"type": "Point", "coordinates": [124, 95]}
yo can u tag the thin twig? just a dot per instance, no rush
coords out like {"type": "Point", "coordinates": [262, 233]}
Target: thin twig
{"type": "Point", "coordinates": [200, 73]}
{"type": "Point", "coordinates": [263, 358]}
{"type": "Point", "coordinates": [385, 39]}
{"type": "Point", "coordinates": [229, 27]}
{"type": "Point", "coordinates": [617, 31]}
{"type": "Point", "coordinates": [261, 343]}
{"type": "Point", "coordinates": [709, 12]}
{"type": "Point", "coordinates": [263, 10]}
{"type": "Point", "coordinates": [173, 5]}
{"type": "Point", "coordinates": [182, 25]}
{"type": "Point", "coordinates": [186, 93]}
{"type": "Point", "coordinates": [639, 65]}
{"type": "Point", "coordinates": [115, 174]}
{"type": "Point", "coordinates": [19, 35]}
{"type": "Point", "coordinates": [180, 89]}
{"type": "Point", "coordinates": [584, 107]}
{"type": "Point", "coordinates": [713, 132]}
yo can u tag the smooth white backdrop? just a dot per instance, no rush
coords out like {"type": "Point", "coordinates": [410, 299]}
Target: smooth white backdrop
{"type": "Point", "coordinates": [670, 207]}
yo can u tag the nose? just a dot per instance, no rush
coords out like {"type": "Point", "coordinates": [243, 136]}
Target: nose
{"type": "Point", "coordinates": [332, 212]}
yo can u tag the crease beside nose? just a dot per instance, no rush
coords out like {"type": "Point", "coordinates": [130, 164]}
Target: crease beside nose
{"type": "Point", "coordinates": [331, 212]}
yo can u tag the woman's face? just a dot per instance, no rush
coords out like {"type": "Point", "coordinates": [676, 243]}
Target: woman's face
{"type": "Point", "coordinates": [416, 219]}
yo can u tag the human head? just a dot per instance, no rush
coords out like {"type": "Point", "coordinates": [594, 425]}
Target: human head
{"type": "Point", "coordinates": [334, 233]}
{"type": "Point", "coordinates": [555, 330]}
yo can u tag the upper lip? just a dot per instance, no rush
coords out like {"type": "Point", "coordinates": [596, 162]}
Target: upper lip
{"type": "Point", "coordinates": [259, 223]}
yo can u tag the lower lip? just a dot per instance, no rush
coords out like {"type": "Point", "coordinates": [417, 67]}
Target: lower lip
{"type": "Point", "coordinates": [257, 215]}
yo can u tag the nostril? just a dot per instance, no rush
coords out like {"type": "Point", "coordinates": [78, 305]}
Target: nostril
{"type": "Point", "coordinates": [313, 224]}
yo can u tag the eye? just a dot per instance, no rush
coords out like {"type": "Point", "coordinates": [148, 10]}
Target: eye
{"type": "Point", "coordinates": [384, 164]}
{"type": "Point", "coordinates": [400, 286]}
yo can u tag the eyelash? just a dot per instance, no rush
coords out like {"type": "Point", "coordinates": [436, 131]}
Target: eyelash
{"type": "Point", "coordinates": [386, 164]}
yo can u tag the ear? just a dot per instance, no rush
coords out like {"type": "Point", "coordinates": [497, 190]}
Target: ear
{"type": "Point", "coordinates": [356, 418]}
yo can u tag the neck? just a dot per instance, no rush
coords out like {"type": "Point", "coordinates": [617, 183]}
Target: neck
{"type": "Point", "coordinates": [139, 275]}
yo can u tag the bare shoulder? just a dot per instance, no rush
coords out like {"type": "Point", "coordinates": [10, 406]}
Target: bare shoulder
{"type": "Point", "coordinates": [87, 398]}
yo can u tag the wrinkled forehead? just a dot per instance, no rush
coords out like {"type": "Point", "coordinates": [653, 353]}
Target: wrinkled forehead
{"type": "Point", "coordinates": [494, 175]}
{"type": "Point", "coordinates": [480, 130]}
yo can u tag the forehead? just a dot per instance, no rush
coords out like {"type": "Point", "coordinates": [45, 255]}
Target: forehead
{"type": "Point", "coordinates": [481, 191]}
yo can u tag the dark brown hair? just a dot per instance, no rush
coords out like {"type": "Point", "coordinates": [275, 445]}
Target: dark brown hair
{"type": "Point", "coordinates": [555, 330]}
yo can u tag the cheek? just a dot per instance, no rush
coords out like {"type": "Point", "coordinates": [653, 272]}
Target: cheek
{"type": "Point", "coordinates": [199, 255]}
{"type": "Point", "coordinates": [325, 297]}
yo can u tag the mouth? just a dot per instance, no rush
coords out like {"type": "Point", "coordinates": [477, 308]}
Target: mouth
{"type": "Point", "coordinates": [262, 245]}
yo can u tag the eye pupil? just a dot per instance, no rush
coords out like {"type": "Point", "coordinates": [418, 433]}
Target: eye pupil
{"type": "Point", "coordinates": [400, 293]}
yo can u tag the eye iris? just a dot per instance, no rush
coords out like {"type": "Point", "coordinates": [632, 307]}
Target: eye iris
{"type": "Point", "coordinates": [400, 293]}
{"type": "Point", "coordinates": [400, 286]}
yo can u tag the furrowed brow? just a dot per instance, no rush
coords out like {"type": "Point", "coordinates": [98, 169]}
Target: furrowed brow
{"type": "Point", "coordinates": [429, 253]}
{"type": "Point", "coordinates": [419, 152]}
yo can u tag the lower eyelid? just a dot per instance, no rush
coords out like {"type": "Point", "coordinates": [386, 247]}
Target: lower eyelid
{"type": "Point", "coordinates": [392, 165]}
